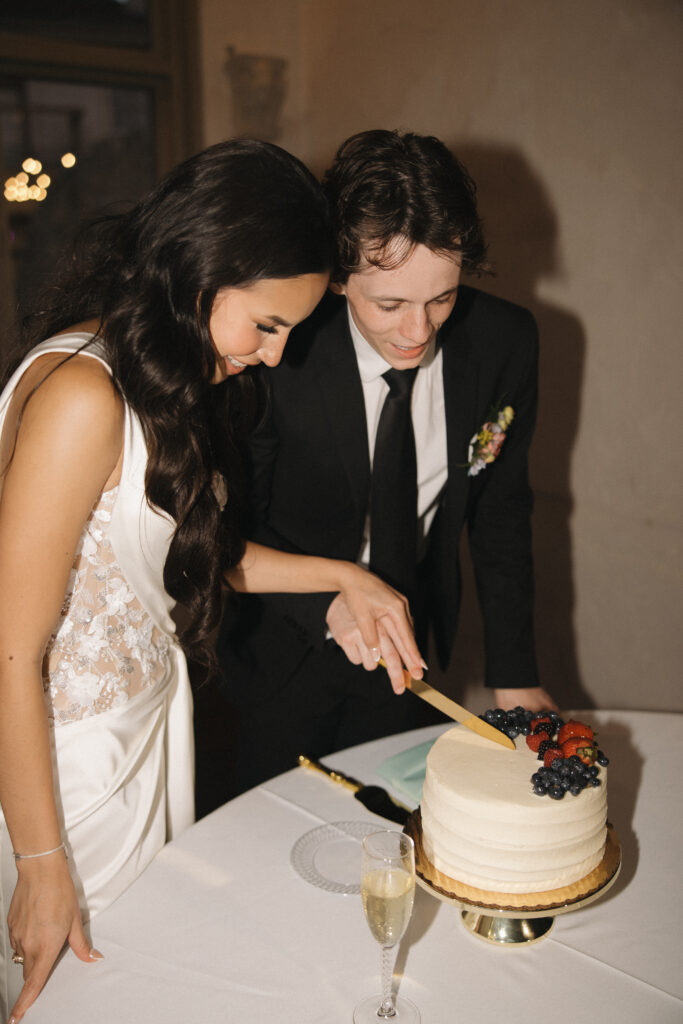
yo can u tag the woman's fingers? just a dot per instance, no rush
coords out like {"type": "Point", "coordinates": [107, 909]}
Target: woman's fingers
{"type": "Point", "coordinates": [392, 661]}
{"type": "Point", "coordinates": [37, 968]}
{"type": "Point", "coordinates": [401, 636]}
{"type": "Point", "coordinates": [36, 972]}
{"type": "Point", "coordinates": [373, 604]}
{"type": "Point", "coordinates": [78, 941]}
{"type": "Point", "coordinates": [382, 603]}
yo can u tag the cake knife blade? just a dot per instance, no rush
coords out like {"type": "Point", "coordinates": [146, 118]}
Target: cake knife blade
{"type": "Point", "coordinates": [374, 798]}
{"type": "Point", "coordinates": [456, 711]}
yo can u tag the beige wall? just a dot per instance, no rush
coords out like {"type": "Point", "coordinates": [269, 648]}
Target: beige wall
{"type": "Point", "coordinates": [566, 113]}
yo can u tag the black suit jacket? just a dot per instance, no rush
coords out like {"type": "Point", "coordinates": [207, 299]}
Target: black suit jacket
{"type": "Point", "coordinates": [310, 483]}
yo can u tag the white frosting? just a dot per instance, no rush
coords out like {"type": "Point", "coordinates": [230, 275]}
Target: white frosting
{"type": "Point", "coordinates": [483, 825]}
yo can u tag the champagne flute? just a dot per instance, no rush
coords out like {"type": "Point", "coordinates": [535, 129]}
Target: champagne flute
{"type": "Point", "coordinates": [387, 889]}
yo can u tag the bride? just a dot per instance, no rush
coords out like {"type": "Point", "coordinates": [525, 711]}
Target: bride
{"type": "Point", "coordinates": [121, 438]}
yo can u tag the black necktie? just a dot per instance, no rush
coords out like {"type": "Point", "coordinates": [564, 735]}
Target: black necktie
{"type": "Point", "coordinates": [393, 496]}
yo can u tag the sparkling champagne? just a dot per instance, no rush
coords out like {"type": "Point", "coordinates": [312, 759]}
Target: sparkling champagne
{"type": "Point", "coordinates": [388, 902]}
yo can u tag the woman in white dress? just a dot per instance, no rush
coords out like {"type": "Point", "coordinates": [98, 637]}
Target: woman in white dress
{"type": "Point", "coordinates": [120, 495]}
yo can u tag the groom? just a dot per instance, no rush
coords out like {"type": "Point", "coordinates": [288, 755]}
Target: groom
{"type": "Point", "coordinates": [401, 414]}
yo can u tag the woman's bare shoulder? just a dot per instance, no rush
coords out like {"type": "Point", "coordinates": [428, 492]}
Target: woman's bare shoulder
{"type": "Point", "coordinates": [67, 402]}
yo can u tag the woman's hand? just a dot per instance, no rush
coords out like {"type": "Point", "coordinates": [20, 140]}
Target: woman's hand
{"type": "Point", "coordinates": [369, 620]}
{"type": "Point", "coordinates": [43, 915]}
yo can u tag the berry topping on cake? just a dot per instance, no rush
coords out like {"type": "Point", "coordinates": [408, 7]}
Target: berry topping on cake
{"type": "Point", "coordinates": [546, 744]}
{"type": "Point", "coordinates": [567, 749]}
{"type": "Point", "coordinates": [535, 739]}
{"type": "Point", "coordinates": [581, 747]}
{"type": "Point", "coordinates": [551, 754]}
{"type": "Point", "coordinates": [542, 720]}
{"type": "Point", "coordinates": [571, 729]}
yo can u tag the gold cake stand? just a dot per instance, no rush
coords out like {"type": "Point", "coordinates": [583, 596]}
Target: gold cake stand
{"type": "Point", "coordinates": [508, 919]}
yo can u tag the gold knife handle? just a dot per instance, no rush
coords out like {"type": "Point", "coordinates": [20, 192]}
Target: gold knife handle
{"type": "Point", "coordinates": [342, 780]}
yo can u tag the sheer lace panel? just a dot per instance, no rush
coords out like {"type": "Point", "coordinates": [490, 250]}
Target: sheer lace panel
{"type": "Point", "coordinates": [105, 648]}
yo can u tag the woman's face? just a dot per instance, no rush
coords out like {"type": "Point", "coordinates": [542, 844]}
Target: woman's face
{"type": "Point", "coordinates": [251, 324]}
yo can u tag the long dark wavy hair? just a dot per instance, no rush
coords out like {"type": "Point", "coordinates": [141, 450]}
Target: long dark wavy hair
{"type": "Point", "coordinates": [238, 212]}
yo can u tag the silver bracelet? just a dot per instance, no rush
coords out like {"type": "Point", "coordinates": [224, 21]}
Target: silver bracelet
{"type": "Point", "coordinates": [30, 856]}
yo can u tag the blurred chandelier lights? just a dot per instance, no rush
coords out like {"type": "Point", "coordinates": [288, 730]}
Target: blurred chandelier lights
{"type": "Point", "coordinates": [21, 189]}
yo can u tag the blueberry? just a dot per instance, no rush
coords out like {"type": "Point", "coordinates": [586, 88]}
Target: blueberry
{"type": "Point", "coordinates": [603, 759]}
{"type": "Point", "coordinates": [556, 792]}
{"type": "Point", "coordinates": [574, 789]}
{"type": "Point", "coordinates": [595, 782]}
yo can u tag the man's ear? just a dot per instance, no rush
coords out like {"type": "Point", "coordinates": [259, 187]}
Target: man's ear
{"type": "Point", "coordinates": [337, 287]}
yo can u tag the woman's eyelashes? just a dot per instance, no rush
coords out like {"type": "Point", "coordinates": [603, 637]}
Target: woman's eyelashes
{"type": "Point", "coordinates": [266, 329]}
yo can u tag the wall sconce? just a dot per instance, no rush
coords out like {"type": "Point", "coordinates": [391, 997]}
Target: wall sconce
{"type": "Point", "coordinates": [258, 86]}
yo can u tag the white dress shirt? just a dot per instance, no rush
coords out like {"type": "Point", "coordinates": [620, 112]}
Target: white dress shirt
{"type": "Point", "coordinates": [429, 427]}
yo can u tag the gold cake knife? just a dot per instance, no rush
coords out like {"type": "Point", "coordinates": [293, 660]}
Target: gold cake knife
{"type": "Point", "coordinates": [456, 711]}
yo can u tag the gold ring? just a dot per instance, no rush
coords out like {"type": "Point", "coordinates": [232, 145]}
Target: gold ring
{"type": "Point", "coordinates": [17, 958]}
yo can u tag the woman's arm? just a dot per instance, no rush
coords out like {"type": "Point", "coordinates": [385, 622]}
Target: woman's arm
{"type": "Point", "coordinates": [67, 449]}
{"type": "Point", "coordinates": [378, 611]}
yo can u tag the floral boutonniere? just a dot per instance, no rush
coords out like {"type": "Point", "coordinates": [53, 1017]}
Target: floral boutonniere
{"type": "Point", "coordinates": [487, 442]}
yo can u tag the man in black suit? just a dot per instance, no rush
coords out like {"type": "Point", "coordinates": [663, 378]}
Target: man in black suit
{"type": "Point", "coordinates": [324, 482]}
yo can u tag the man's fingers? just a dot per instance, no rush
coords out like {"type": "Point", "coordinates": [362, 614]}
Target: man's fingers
{"type": "Point", "coordinates": [350, 649]}
{"type": "Point", "coordinates": [533, 698]}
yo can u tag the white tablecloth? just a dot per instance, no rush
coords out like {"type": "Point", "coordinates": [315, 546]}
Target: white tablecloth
{"type": "Point", "coordinates": [220, 928]}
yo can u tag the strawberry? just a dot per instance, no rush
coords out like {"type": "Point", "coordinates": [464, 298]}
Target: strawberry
{"type": "Point", "coordinates": [582, 746]}
{"type": "Point", "coordinates": [534, 740]}
{"type": "Point", "coordinates": [574, 728]}
{"type": "Point", "coordinates": [550, 755]}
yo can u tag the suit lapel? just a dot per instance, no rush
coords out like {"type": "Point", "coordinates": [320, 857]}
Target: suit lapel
{"type": "Point", "coordinates": [336, 373]}
{"type": "Point", "coordinates": [460, 378]}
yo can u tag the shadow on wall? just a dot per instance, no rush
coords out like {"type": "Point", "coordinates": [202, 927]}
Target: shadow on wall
{"type": "Point", "coordinates": [522, 229]}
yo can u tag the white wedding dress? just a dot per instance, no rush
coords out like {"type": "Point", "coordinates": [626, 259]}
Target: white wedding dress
{"type": "Point", "coordinates": [117, 695]}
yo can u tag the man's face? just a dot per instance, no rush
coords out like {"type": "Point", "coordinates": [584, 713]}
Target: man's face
{"type": "Point", "coordinates": [399, 311]}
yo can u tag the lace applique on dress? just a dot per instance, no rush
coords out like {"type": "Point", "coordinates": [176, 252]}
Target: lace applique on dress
{"type": "Point", "coordinates": [105, 648]}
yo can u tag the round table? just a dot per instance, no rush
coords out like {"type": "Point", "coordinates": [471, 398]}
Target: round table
{"type": "Point", "coordinates": [220, 927]}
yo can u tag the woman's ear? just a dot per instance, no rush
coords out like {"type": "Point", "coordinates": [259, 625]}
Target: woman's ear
{"type": "Point", "coordinates": [337, 287]}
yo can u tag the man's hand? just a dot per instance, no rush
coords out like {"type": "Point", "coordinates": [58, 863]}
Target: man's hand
{"type": "Point", "coordinates": [533, 698]}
